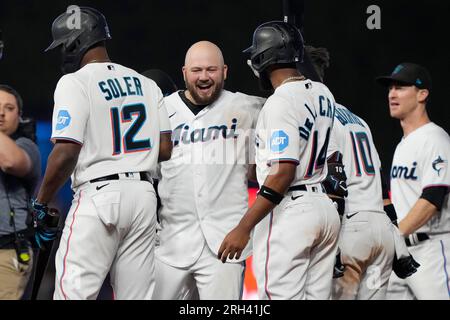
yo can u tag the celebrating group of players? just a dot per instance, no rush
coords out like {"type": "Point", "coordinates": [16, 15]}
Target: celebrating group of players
{"type": "Point", "coordinates": [319, 227]}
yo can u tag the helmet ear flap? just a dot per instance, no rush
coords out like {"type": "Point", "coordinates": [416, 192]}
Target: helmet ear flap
{"type": "Point", "coordinates": [72, 47]}
{"type": "Point", "coordinates": [258, 59]}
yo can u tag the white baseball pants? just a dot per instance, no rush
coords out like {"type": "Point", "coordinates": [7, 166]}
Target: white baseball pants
{"type": "Point", "coordinates": [367, 251]}
{"type": "Point", "coordinates": [295, 247]}
{"type": "Point", "coordinates": [110, 229]}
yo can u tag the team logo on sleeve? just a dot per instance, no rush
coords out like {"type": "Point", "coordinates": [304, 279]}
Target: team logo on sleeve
{"type": "Point", "coordinates": [279, 141]}
{"type": "Point", "coordinates": [63, 119]}
{"type": "Point", "coordinates": [439, 164]}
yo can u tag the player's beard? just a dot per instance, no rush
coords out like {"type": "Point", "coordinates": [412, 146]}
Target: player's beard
{"type": "Point", "coordinates": [200, 99]}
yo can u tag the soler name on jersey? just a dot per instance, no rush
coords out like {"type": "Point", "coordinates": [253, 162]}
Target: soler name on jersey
{"type": "Point", "coordinates": [122, 87]}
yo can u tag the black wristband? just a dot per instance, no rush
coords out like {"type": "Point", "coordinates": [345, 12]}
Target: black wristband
{"type": "Point", "coordinates": [270, 195]}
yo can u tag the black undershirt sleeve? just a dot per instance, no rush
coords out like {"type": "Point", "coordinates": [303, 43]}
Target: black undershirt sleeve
{"type": "Point", "coordinates": [435, 195]}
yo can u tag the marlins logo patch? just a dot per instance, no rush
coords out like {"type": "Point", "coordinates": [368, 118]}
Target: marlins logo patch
{"type": "Point", "coordinates": [279, 141]}
{"type": "Point", "coordinates": [398, 69]}
{"type": "Point", "coordinates": [439, 164]}
{"type": "Point", "coordinates": [63, 119]}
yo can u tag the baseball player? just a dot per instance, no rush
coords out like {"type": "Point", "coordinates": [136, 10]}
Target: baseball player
{"type": "Point", "coordinates": [109, 130]}
{"type": "Point", "coordinates": [366, 238]}
{"type": "Point", "coordinates": [420, 182]}
{"type": "Point", "coordinates": [203, 188]}
{"type": "Point", "coordinates": [297, 225]}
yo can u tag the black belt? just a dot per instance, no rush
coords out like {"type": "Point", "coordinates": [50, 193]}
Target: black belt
{"type": "Point", "coordinates": [302, 187]}
{"type": "Point", "coordinates": [297, 188]}
{"type": "Point", "coordinates": [420, 236]}
{"type": "Point", "coordinates": [143, 177]}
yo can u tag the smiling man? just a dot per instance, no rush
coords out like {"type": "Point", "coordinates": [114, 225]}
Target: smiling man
{"type": "Point", "coordinates": [203, 188]}
{"type": "Point", "coordinates": [420, 182]}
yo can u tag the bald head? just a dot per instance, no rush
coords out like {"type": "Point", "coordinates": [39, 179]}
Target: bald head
{"type": "Point", "coordinates": [204, 73]}
{"type": "Point", "coordinates": [206, 51]}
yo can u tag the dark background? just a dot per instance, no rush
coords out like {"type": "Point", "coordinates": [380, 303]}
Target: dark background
{"type": "Point", "coordinates": [157, 33]}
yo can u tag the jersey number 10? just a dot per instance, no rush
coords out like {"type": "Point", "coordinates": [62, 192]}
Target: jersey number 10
{"type": "Point", "coordinates": [360, 142]}
{"type": "Point", "coordinates": [126, 115]}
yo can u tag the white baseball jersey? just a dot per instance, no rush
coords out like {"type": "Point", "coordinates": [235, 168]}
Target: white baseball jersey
{"type": "Point", "coordinates": [351, 137]}
{"type": "Point", "coordinates": [115, 113]}
{"type": "Point", "coordinates": [299, 133]}
{"type": "Point", "coordinates": [366, 238]}
{"type": "Point", "coordinates": [295, 245]}
{"type": "Point", "coordinates": [421, 160]}
{"type": "Point", "coordinates": [117, 116]}
{"type": "Point", "coordinates": [203, 188]}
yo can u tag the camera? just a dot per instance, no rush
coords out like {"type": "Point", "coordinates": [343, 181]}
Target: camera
{"type": "Point", "coordinates": [27, 129]}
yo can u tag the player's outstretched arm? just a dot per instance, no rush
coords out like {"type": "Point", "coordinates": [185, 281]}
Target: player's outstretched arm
{"type": "Point", "coordinates": [60, 165]}
{"type": "Point", "coordinates": [277, 183]}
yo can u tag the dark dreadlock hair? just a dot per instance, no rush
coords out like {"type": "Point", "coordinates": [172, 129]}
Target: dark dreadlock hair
{"type": "Point", "coordinates": [320, 58]}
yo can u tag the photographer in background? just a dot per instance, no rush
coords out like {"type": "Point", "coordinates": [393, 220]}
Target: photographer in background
{"type": "Point", "coordinates": [20, 166]}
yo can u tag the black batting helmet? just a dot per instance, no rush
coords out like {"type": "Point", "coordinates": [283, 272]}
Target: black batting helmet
{"type": "Point", "coordinates": [77, 30]}
{"type": "Point", "coordinates": [275, 42]}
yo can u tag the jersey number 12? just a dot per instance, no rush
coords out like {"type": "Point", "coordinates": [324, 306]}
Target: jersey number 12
{"type": "Point", "coordinates": [124, 116]}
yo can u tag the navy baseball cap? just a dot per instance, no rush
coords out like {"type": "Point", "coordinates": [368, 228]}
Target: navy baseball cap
{"type": "Point", "coordinates": [408, 74]}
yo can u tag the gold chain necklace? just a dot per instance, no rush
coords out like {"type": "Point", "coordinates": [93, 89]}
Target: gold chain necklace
{"type": "Point", "coordinates": [99, 61]}
{"type": "Point", "coordinates": [296, 78]}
